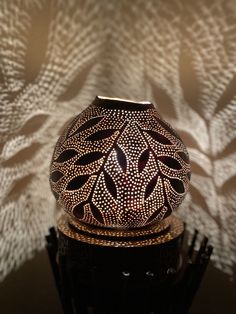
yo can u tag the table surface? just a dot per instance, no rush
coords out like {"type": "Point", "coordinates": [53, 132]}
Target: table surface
{"type": "Point", "coordinates": [31, 290]}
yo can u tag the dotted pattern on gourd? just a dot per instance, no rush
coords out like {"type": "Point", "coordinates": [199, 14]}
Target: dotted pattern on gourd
{"type": "Point", "coordinates": [118, 168]}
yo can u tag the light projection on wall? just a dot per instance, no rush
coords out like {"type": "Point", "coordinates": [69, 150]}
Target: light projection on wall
{"type": "Point", "coordinates": [57, 55]}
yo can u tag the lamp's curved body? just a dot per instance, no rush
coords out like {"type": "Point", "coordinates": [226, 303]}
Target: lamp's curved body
{"type": "Point", "coordinates": [119, 165]}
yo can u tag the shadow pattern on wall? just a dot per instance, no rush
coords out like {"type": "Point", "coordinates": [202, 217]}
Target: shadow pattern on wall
{"type": "Point", "coordinates": [56, 55]}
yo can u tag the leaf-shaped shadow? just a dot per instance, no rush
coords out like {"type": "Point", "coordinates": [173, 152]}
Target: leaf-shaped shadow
{"type": "Point", "coordinates": [110, 184]}
{"type": "Point", "coordinates": [227, 96]}
{"type": "Point", "coordinates": [143, 159]}
{"type": "Point", "coordinates": [89, 158]}
{"type": "Point", "coordinates": [78, 211]}
{"type": "Point", "coordinates": [77, 182]}
{"type": "Point", "coordinates": [121, 158]}
{"type": "Point", "coordinates": [100, 135]}
{"type": "Point", "coordinates": [33, 124]}
{"type": "Point", "coordinates": [76, 84]}
{"type": "Point", "coordinates": [37, 50]}
{"type": "Point", "coordinates": [188, 78]}
{"type": "Point", "coordinates": [170, 162]}
{"type": "Point", "coordinates": [96, 213]}
{"type": "Point", "coordinates": [88, 124]}
{"type": "Point", "coordinates": [66, 155]}
{"type": "Point", "coordinates": [56, 176]}
{"type": "Point", "coordinates": [177, 185]}
{"type": "Point", "coordinates": [163, 99]}
{"type": "Point", "coordinates": [151, 186]}
{"type": "Point", "coordinates": [183, 156]}
{"type": "Point", "coordinates": [159, 137]}
{"type": "Point", "coordinates": [198, 198]}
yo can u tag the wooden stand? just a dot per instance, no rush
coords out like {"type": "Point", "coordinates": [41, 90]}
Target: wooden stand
{"type": "Point", "coordinates": [156, 272]}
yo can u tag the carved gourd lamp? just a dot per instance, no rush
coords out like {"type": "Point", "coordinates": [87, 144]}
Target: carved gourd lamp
{"type": "Point", "coordinates": [119, 171]}
{"type": "Point", "coordinates": [119, 168]}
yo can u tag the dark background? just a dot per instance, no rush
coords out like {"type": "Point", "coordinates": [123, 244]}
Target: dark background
{"type": "Point", "coordinates": [31, 289]}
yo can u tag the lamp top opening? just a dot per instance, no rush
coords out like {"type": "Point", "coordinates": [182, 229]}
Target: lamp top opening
{"type": "Point", "coordinates": [122, 104]}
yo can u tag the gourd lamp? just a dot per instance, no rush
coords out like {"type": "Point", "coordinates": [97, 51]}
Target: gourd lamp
{"type": "Point", "coordinates": [119, 171]}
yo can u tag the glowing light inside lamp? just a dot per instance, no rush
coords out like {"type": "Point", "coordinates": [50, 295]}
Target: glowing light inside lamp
{"type": "Point", "coordinates": [119, 165]}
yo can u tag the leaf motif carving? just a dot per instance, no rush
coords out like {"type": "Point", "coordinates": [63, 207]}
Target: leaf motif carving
{"type": "Point", "coordinates": [143, 159]}
{"type": "Point", "coordinates": [151, 186]}
{"type": "Point", "coordinates": [154, 215]}
{"type": "Point", "coordinates": [96, 213]}
{"type": "Point", "coordinates": [170, 162]}
{"type": "Point", "coordinates": [88, 124]}
{"type": "Point", "coordinates": [110, 184]}
{"type": "Point", "coordinates": [167, 127]}
{"type": "Point", "coordinates": [100, 135]}
{"type": "Point", "coordinates": [77, 182]}
{"type": "Point", "coordinates": [177, 185]}
{"type": "Point", "coordinates": [89, 158]}
{"type": "Point", "coordinates": [121, 158]}
{"type": "Point", "coordinates": [71, 125]}
{"type": "Point", "coordinates": [56, 195]}
{"type": "Point", "coordinates": [56, 176]}
{"type": "Point", "coordinates": [78, 211]}
{"type": "Point", "coordinates": [66, 155]}
{"type": "Point", "coordinates": [183, 156]}
{"type": "Point", "coordinates": [159, 137]}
